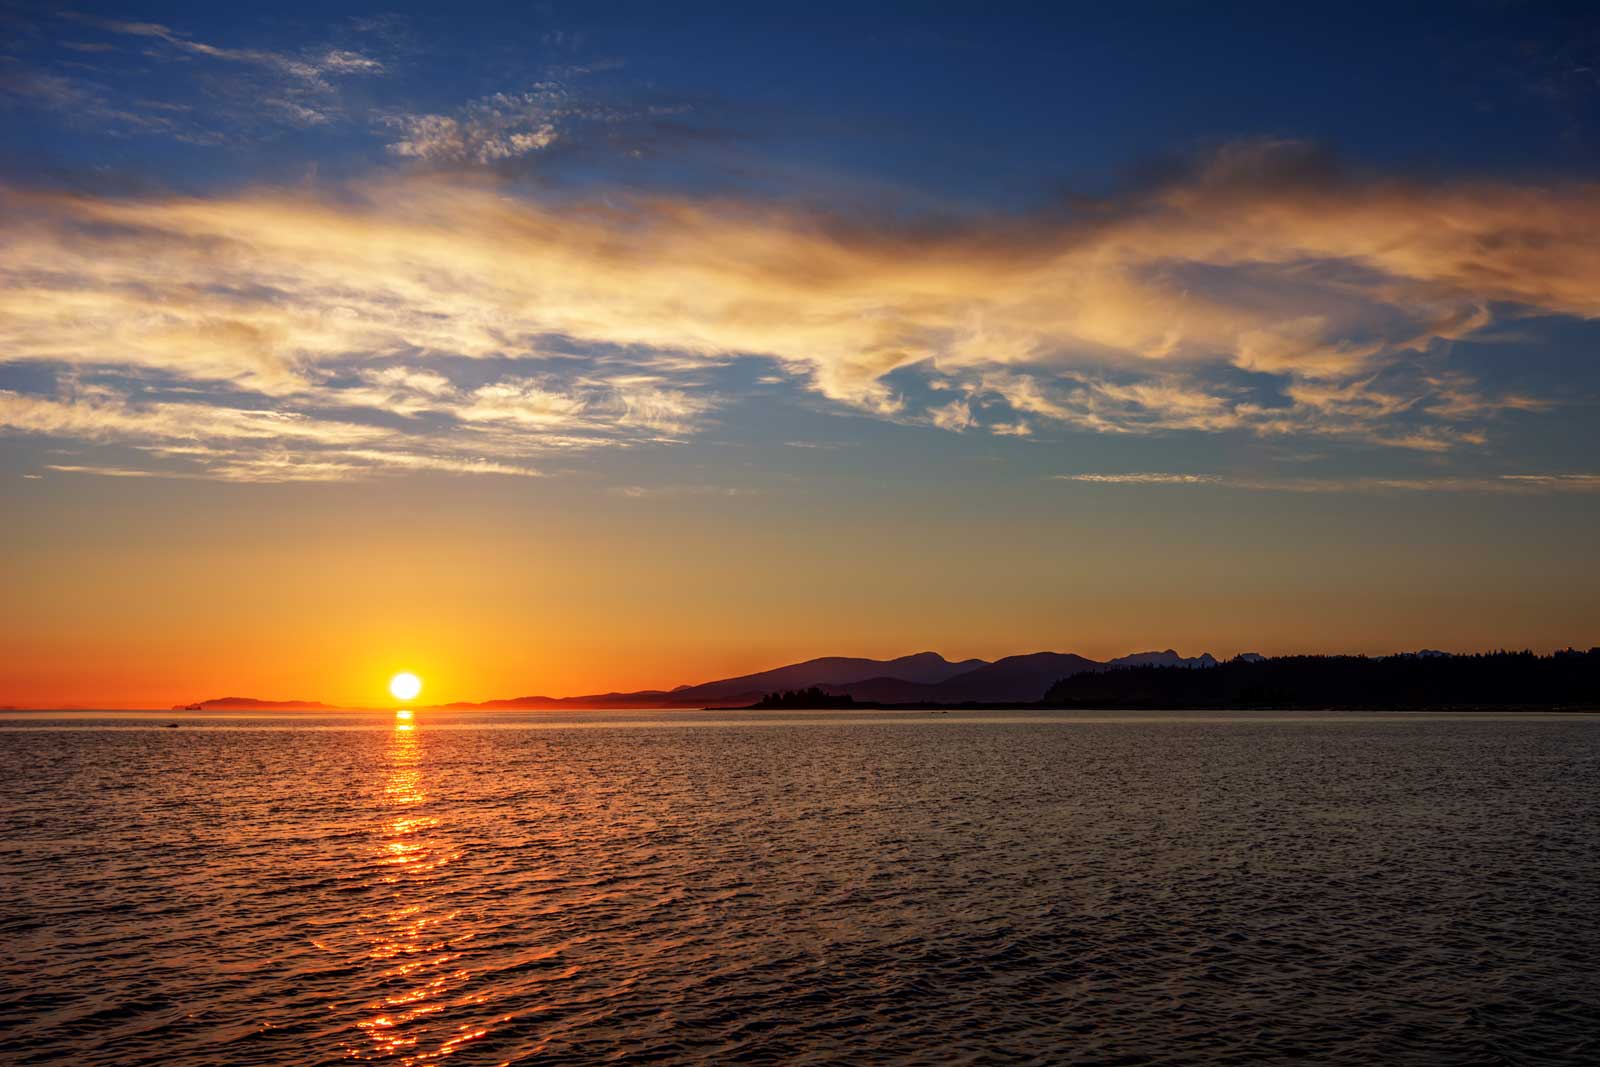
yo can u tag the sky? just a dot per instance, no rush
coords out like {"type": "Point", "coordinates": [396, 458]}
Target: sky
{"type": "Point", "coordinates": [564, 348]}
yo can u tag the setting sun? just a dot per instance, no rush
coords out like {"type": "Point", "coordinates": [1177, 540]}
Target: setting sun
{"type": "Point", "coordinates": [405, 686]}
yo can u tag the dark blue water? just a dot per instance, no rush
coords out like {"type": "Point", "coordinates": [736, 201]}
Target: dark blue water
{"type": "Point", "coordinates": [819, 889]}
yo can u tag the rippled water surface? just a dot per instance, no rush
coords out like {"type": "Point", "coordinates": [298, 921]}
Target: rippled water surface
{"type": "Point", "coordinates": [818, 889]}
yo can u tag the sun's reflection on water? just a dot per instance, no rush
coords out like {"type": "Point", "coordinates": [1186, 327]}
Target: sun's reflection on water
{"type": "Point", "coordinates": [413, 943]}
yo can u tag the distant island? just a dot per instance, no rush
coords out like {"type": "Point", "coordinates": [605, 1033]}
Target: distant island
{"type": "Point", "coordinates": [252, 704]}
{"type": "Point", "coordinates": [811, 698]}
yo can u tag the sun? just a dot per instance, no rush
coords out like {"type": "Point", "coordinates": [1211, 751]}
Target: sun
{"type": "Point", "coordinates": [405, 686]}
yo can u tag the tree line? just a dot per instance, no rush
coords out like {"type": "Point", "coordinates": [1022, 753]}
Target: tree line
{"type": "Point", "coordinates": [1569, 679]}
{"type": "Point", "coordinates": [813, 697]}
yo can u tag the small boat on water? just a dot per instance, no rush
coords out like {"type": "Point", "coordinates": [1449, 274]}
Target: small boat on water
{"type": "Point", "coordinates": [170, 726]}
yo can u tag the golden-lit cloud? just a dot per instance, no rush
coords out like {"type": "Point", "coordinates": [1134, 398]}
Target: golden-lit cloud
{"type": "Point", "coordinates": [1143, 478]}
{"type": "Point", "coordinates": [1235, 299]}
{"type": "Point", "coordinates": [97, 416]}
{"type": "Point", "coordinates": [1505, 483]}
{"type": "Point", "coordinates": [956, 415]}
{"type": "Point", "coordinates": [240, 445]}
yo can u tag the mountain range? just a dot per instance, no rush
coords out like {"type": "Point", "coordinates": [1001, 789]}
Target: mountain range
{"type": "Point", "coordinates": [1425, 679]}
{"type": "Point", "coordinates": [922, 678]}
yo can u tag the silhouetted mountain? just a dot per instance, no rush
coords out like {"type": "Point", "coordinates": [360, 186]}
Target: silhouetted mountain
{"type": "Point", "coordinates": [1019, 679]}
{"type": "Point", "coordinates": [252, 704]}
{"type": "Point", "coordinates": [1014, 679]}
{"type": "Point", "coordinates": [831, 671]}
{"type": "Point", "coordinates": [1501, 679]}
{"type": "Point", "coordinates": [885, 691]}
{"type": "Point", "coordinates": [922, 678]}
{"type": "Point", "coordinates": [1169, 658]}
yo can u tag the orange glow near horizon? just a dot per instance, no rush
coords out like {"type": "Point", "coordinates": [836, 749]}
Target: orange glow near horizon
{"type": "Point", "coordinates": [403, 715]}
{"type": "Point", "coordinates": [125, 613]}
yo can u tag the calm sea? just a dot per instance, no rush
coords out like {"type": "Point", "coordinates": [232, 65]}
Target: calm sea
{"type": "Point", "coordinates": [827, 888]}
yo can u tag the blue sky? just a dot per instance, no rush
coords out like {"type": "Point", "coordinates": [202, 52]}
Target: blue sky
{"type": "Point", "coordinates": [1123, 263]}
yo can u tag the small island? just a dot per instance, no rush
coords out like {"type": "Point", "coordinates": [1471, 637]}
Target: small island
{"type": "Point", "coordinates": [252, 704]}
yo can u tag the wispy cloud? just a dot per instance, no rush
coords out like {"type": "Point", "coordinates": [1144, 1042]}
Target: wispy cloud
{"type": "Point", "coordinates": [562, 112]}
{"type": "Point", "coordinates": [1236, 300]}
{"type": "Point", "coordinates": [239, 89]}
{"type": "Point", "coordinates": [956, 415]}
{"type": "Point", "coordinates": [85, 99]}
{"type": "Point", "coordinates": [1555, 481]}
{"type": "Point", "coordinates": [104, 472]}
{"type": "Point", "coordinates": [1505, 483]}
{"type": "Point", "coordinates": [499, 127]}
{"type": "Point", "coordinates": [642, 404]}
{"type": "Point", "coordinates": [1146, 478]}
{"type": "Point", "coordinates": [658, 492]}
{"type": "Point", "coordinates": [1151, 400]}
{"type": "Point", "coordinates": [101, 415]}
{"type": "Point", "coordinates": [273, 464]}
{"type": "Point", "coordinates": [312, 66]}
{"type": "Point", "coordinates": [491, 429]}
{"type": "Point", "coordinates": [282, 465]}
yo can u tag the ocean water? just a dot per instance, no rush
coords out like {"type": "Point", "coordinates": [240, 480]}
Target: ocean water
{"type": "Point", "coordinates": [828, 888]}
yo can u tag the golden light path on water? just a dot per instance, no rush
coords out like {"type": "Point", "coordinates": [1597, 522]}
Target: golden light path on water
{"type": "Point", "coordinates": [413, 951]}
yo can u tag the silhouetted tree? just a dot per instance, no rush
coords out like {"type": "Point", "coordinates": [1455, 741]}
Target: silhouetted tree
{"type": "Point", "coordinates": [814, 697]}
{"type": "Point", "coordinates": [1497, 679]}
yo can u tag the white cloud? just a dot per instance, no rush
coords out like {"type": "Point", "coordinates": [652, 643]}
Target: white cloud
{"type": "Point", "coordinates": [240, 90]}
{"type": "Point", "coordinates": [104, 472]}
{"type": "Point", "coordinates": [1143, 479]}
{"type": "Point", "coordinates": [498, 127]}
{"type": "Point", "coordinates": [1505, 483]}
{"type": "Point", "coordinates": [311, 67]}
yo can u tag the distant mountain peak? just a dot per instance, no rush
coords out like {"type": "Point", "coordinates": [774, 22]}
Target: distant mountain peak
{"type": "Point", "coordinates": [829, 672]}
{"type": "Point", "coordinates": [248, 703]}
